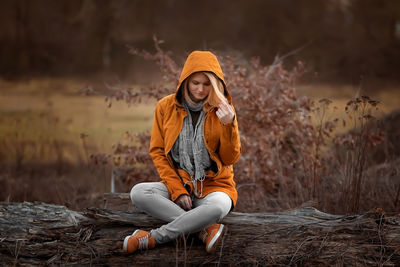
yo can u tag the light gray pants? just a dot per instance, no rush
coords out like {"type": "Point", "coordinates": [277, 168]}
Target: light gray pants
{"type": "Point", "coordinates": [154, 199]}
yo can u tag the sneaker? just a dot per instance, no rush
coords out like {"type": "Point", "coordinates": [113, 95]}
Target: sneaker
{"type": "Point", "coordinates": [212, 236]}
{"type": "Point", "coordinates": [138, 240]}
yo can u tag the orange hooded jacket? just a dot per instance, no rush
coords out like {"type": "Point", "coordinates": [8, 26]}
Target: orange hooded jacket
{"type": "Point", "coordinates": [222, 141]}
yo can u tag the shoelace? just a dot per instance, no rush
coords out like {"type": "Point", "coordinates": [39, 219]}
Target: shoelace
{"type": "Point", "coordinates": [143, 242]}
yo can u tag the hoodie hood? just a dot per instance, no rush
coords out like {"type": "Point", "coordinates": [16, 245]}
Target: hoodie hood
{"type": "Point", "coordinates": [202, 61]}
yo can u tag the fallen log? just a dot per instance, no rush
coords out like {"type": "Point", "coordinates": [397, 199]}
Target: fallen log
{"type": "Point", "coordinates": [45, 234]}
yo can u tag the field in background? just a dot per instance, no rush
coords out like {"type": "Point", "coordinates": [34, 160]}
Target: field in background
{"type": "Point", "coordinates": [48, 130]}
{"type": "Point", "coordinates": [45, 110]}
{"type": "Point", "coordinates": [388, 96]}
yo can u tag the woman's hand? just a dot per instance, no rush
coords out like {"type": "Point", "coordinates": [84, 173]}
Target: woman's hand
{"type": "Point", "coordinates": [225, 113]}
{"type": "Point", "coordinates": [184, 202]}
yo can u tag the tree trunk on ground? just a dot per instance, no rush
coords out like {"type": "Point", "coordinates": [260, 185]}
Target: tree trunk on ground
{"type": "Point", "coordinates": [38, 233]}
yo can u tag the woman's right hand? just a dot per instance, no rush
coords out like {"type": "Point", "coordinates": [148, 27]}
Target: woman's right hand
{"type": "Point", "coordinates": [184, 202]}
{"type": "Point", "coordinates": [225, 113]}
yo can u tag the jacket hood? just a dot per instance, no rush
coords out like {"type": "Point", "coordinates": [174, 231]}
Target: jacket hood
{"type": "Point", "coordinates": [202, 61]}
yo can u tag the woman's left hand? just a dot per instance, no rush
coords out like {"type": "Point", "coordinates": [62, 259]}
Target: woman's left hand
{"type": "Point", "coordinates": [225, 113]}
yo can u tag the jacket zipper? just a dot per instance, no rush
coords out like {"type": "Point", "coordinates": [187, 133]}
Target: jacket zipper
{"type": "Point", "coordinates": [208, 149]}
{"type": "Point", "coordinates": [169, 158]}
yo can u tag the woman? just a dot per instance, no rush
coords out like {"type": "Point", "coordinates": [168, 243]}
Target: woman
{"type": "Point", "coordinates": [194, 143]}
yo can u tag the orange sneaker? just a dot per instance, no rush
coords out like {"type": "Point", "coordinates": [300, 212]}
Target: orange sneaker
{"type": "Point", "coordinates": [138, 240]}
{"type": "Point", "coordinates": [212, 236]}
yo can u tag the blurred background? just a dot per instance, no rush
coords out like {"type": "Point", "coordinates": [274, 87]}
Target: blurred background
{"type": "Point", "coordinates": [343, 39]}
{"type": "Point", "coordinates": [51, 49]}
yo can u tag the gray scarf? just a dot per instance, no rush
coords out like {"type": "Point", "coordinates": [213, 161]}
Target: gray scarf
{"type": "Point", "coordinates": [189, 150]}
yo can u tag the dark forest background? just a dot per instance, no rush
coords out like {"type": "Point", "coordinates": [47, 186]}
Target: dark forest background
{"type": "Point", "coordinates": [343, 39]}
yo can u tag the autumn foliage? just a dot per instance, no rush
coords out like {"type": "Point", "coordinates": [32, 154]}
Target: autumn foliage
{"type": "Point", "coordinates": [290, 154]}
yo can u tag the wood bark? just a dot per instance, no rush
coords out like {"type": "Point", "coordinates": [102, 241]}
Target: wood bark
{"type": "Point", "coordinates": [45, 234]}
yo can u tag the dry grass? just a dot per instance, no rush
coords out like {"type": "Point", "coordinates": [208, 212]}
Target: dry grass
{"type": "Point", "coordinates": [47, 132]}
{"type": "Point", "coordinates": [340, 94]}
{"type": "Point", "coordinates": [53, 109]}
{"type": "Point", "coordinates": [41, 122]}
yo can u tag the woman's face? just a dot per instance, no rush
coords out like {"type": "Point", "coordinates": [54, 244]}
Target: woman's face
{"type": "Point", "coordinates": [199, 86]}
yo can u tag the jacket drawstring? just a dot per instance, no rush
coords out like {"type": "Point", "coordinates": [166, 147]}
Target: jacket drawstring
{"type": "Point", "coordinates": [194, 182]}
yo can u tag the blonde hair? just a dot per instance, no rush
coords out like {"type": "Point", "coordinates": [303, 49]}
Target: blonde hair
{"type": "Point", "coordinates": [214, 98]}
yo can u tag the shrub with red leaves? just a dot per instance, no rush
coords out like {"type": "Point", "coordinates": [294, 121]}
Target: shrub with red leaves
{"type": "Point", "coordinates": [282, 164]}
